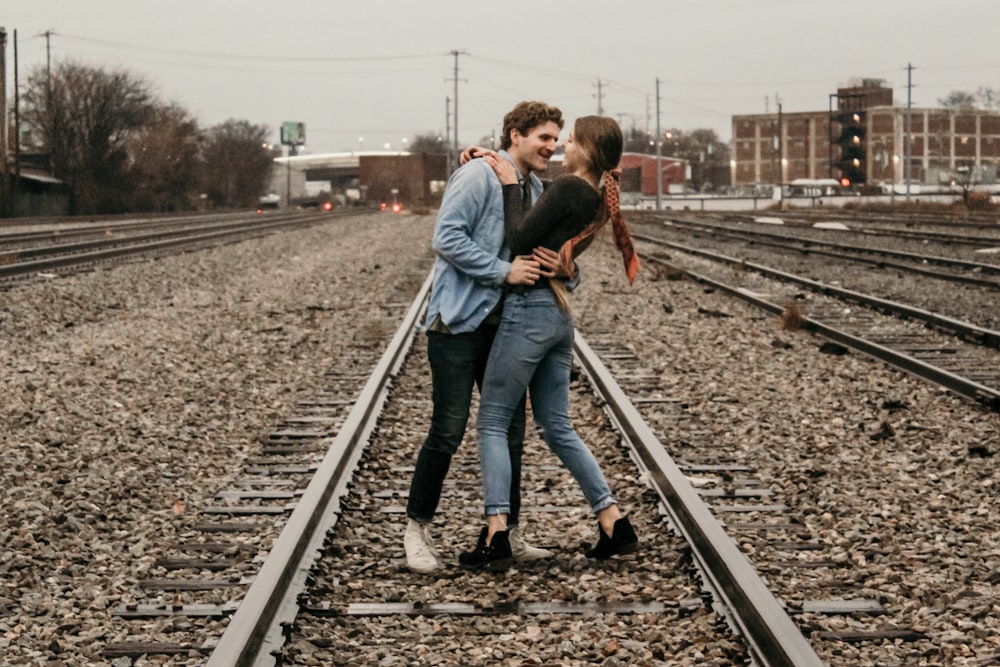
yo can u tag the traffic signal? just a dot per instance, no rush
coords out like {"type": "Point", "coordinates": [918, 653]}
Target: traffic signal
{"type": "Point", "coordinates": [853, 147]}
{"type": "Point", "coordinates": [845, 182]}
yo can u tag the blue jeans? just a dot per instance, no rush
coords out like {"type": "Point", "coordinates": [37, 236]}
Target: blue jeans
{"type": "Point", "coordinates": [533, 350]}
{"type": "Point", "coordinates": [457, 362]}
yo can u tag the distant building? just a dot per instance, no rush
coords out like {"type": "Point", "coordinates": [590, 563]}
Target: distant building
{"type": "Point", "coordinates": [861, 140]}
{"type": "Point", "coordinates": [948, 145]}
{"type": "Point", "coordinates": [367, 177]}
{"type": "Point", "coordinates": [418, 179]}
{"type": "Point", "coordinates": [32, 190]}
{"type": "Point", "coordinates": [804, 150]}
{"type": "Point", "coordinates": [639, 173]}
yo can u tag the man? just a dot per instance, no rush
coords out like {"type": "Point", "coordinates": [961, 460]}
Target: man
{"type": "Point", "coordinates": [470, 271]}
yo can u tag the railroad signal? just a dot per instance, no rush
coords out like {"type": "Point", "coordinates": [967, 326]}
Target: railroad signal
{"type": "Point", "coordinates": [853, 147]}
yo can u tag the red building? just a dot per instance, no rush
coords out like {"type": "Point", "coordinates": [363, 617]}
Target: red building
{"type": "Point", "coordinates": [639, 173]}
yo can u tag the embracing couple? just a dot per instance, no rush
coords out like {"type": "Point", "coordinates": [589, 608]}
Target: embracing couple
{"type": "Point", "coordinates": [499, 318]}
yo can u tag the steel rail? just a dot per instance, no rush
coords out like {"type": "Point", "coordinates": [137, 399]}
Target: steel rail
{"type": "Point", "coordinates": [126, 234]}
{"type": "Point", "coordinates": [805, 219]}
{"type": "Point", "coordinates": [987, 396]}
{"type": "Point", "coordinates": [812, 246]}
{"type": "Point", "coordinates": [965, 330]}
{"type": "Point", "coordinates": [256, 627]}
{"type": "Point", "coordinates": [72, 228]}
{"type": "Point", "coordinates": [760, 619]}
{"type": "Point", "coordinates": [84, 258]}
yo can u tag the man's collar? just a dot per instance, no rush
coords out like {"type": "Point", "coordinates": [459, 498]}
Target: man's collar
{"type": "Point", "coordinates": [520, 176]}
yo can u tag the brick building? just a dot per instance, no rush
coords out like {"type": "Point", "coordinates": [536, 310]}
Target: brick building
{"type": "Point", "coordinates": [639, 173]}
{"type": "Point", "coordinates": [861, 137]}
{"type": "Point", "coordinates": [947, 145]}
{"type": "Point", "coordinates": [803, 151]}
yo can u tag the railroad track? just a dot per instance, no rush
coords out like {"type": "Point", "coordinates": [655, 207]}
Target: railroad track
{"type": "Point", "coordinates": [889, 221]}
{"type": "Point", "coordinates": [53, 252]}
{"type": "Point", "coordinates": [959, 270]}
{"type": "Point", "coordinates": [223, 542]}
{"type": "Point", "coordinates": [359, 575]}
{"type": "Point", "coordinates": [956, 354]}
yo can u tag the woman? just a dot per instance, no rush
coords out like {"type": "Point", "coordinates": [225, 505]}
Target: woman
{"type": "Point", "coordinates": [533, 348]}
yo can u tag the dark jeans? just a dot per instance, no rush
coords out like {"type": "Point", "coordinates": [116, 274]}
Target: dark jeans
{"type": "Point", "coordinates": [458, 361]}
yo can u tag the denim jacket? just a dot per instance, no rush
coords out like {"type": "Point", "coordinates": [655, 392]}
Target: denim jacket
{"type": "Point", "coordinates": [472, 259]}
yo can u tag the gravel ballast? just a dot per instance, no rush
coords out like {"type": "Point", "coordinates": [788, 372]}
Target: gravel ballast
{"type": "Point", "coordinates": [132, 393]}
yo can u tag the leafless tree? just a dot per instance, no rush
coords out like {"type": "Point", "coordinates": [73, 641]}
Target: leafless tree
{"type": "Point", "coordinates": [428, 143]}
{"type": "Point", "coordinates": [164, 160]}
{"type": "Point", "coordinates": [85, 117]}
{"type": "Point", "coordinates": [958, 100]}
{"type": "Point", "coordinates": [236, 163]}
{"type": "Point", "coordinates": [701, 148]}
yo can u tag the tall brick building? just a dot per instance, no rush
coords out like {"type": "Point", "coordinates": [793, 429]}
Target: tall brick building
{"type": "Point", "coordinates": [861, 137]}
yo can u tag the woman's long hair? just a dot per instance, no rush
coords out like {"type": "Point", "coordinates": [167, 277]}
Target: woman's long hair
{"type": "Point", "coordinates": [599, 144]}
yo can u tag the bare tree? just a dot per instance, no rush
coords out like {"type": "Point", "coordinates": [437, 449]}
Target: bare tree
{"type": "Point", "coordinates": [164, 160]}
{"type": "Point", "coordinates": [84, 117]}
{"type": "Point", "coordinates": [958, 100]}
{"type": "Point", "coordinates": [989, 98]}
{"type": "Point", "coordinates": [638, 141]}
{"type": "Point", "coordinates": [705, 154]}
{"type": "Point", "coordinates": [236, 163]}
{"type": "Point", "coordinates": [428, 143]}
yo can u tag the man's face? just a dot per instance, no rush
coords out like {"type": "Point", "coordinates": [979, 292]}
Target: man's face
{"type": "Point", "coordinates": [532, 151]}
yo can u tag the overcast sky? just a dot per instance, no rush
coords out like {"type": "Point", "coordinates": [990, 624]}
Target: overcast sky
{"type": "Point", "coordinates": [370, 73]}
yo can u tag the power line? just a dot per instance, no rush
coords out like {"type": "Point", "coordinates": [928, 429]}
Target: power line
{"type": "Point", "coordinates": [242, 56]}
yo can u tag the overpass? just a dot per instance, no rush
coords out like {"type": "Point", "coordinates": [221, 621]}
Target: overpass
{"type": "Point", "coordinates": [419, 178]}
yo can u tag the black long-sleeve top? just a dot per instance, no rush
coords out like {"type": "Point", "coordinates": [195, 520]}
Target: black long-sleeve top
{"type": "Point", "coordinates": [567, 206]}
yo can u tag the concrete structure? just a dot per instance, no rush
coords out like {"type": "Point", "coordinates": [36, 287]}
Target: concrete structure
{"type": "Point", "coordinates": [367, 177]}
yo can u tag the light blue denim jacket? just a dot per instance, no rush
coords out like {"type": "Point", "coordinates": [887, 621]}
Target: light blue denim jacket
{"type": "Point", "coordinates": [472, 259]}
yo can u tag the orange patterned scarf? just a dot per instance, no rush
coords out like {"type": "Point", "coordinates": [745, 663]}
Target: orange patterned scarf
{"type": "Point", "coordinates": [612, 188]}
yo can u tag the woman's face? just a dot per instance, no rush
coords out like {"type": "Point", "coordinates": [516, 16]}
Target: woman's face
{"type": "Point", "coordinates": [569, 153]}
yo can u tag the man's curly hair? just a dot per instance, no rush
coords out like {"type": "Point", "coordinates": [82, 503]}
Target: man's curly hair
{"type": "Point", "coordinates": [525, 117]}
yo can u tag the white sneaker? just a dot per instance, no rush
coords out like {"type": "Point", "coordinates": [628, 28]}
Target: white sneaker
{"type": "Point", "coordinates": [522, 551]}
{"type": "Point", "coordinates": [421, 556]}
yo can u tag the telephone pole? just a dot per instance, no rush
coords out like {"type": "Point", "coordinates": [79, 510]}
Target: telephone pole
{"type": "Point", "coordinates": [5, 207]}
{"type": "Point", "coordinates": [447, 133]}
{"type": "Point", "coordinates": [781, 152]}
{"type": "Point", "coordinates": [456, 53]}
{"type": "Point", "coordinates": [908, 140]}
{"type": "Point", "coordinates": [659, 152]}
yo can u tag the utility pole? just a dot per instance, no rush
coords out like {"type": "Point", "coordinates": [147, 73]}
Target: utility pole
{"type": "Point", "coordinates": [456, 53]}
{"type": "Point", "coordinates": [15, 198]}
{"type": "Point", "coordinates": [5, 207]}
{"type": "Point", "coordinates": [48, 69]}
{"type": "Point", "coordinates": [48, 52]}
{"type": "Point", "coordinates": [600, 98]}
{"type": "Point", "coordinates": [908, 141]}
{"type": "Point", "coordinates": [781, 152]}
{"type": "Point", "coordinates": [447, 133]}
{"type": "Point", "coordinates": [659, 152]}
{"type": "Point", "coordinates": [50, 130]}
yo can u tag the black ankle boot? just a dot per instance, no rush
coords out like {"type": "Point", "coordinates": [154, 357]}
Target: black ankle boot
{"type": "Point", "coordinates": [622, 541]}
{"type": "Point", "coordinates": [495, 556]}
